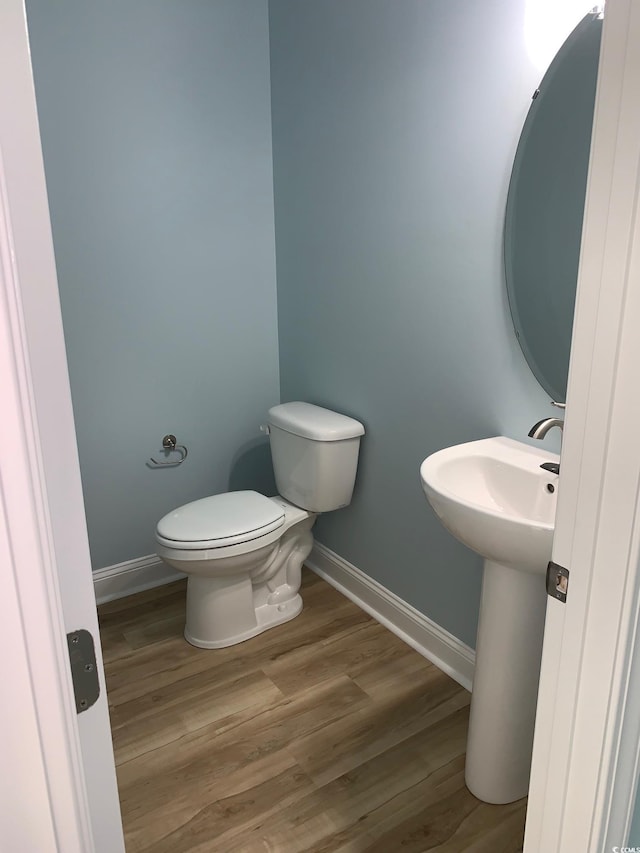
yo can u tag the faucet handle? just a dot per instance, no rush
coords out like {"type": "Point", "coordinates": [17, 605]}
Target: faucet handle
{"type": "Point", "coordinates": [558, 405]}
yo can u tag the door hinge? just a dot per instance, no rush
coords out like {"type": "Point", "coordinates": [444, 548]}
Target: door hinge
{"type": "Point", "coordinates": [557, 581]}
{"type": "Point", "coordinates": [84, 671]}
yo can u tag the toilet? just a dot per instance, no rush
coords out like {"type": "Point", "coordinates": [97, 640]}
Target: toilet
{"type": "Point", "coordinates": [243, 552]}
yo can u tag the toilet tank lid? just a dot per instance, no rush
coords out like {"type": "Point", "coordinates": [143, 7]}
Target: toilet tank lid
{"type": "Point", "coordinates": [314, 422]}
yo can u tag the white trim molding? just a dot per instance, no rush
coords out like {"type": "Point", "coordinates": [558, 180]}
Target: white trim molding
{"type": "Point", "coordinates": [39, 739]}
{"type": "Point", "coordinates": [58, 790]}
{"type": "Point", "coordinates": [440, 647]}
{"type": "Point", "coordinates": [132, 576]}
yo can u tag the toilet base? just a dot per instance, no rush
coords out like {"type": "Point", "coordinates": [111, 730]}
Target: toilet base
{"type": "Point", "coordinates": [266, 616]}
{"type": "Point", "coordinates": [238, 594]}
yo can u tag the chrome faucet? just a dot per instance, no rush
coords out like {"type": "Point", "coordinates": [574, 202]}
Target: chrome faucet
{"type": "Point", "coordinates": [540, 429]}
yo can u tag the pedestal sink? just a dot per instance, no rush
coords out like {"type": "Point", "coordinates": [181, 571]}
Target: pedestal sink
{"type": "Point", "coordinates": [495, 498]}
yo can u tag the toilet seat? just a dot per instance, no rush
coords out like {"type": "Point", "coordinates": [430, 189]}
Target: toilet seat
{"type": "Point", "coordinates": [220, 521]}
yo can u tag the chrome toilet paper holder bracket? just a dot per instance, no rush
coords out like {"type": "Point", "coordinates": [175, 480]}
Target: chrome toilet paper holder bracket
{"type": "Point", "coordinates": [169, 445]}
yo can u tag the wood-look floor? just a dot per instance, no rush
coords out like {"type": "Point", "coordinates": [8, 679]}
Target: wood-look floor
{"type": "Point", "coordinates": [324, 734]}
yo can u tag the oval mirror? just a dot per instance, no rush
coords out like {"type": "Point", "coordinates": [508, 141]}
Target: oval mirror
{"type": "Point", "coordinates": [545, 206]}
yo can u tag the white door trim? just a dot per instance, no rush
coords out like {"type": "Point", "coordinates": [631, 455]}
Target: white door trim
{"type": "Point", "coordinates": [40, 747]}
{"type": "Point", "coordinates": [49, 591]}
{"type": "Point", "coordinates": [44, 804]}
{"type": "Point", "coordinates": [585, 682]}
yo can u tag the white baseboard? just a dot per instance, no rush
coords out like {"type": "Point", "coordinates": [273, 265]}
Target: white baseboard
{"type": "Point", "coordinates": [444, 650]}
{"type": "Point", "coordinates": [133, 576]}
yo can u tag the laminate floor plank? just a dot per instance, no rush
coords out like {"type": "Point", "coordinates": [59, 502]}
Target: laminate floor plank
{"type": "Point", "coordinates": [164, 717]}
{"type": "Point", "coordinates": [344, 743]}
{"type": "Point", "coordinates": [114, 646]}
{"type": "Point", "coordinates": [326, 734]}
{"type": "Point", "coordinates": [202, 758]}
{"type": "Point", "coordinates": [245, 794]}
{"type": "Point", "coordinates": [141, 614]}
{"type": "Point", "coordinates": [419, 809]}
{"type": "Point", "coordinates": [350, 800]}
{"type": "Point", "coordinates": [149, 599]}
{"type": "Point", "coordinates": [344, 654]}
{"type": "Point", "coordinates": [138, 673]}
{"type": "Point", "coordinates": [200, 688]}
{"type": "Point", "coordinates": [238, 810]}
{"type": "Point", "coordinates": [391, 673]}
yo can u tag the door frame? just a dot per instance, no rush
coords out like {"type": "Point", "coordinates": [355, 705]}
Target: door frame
{"type": "Point", "coordinates": [61, 792]}
{"type": "Point", "coordinates": [38, 736]}
{"type": "Point", "coordinates": [585, 760]}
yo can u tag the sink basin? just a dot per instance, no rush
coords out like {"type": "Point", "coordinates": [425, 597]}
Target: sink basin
{"type": "Point", "coordinates": [493, 496]}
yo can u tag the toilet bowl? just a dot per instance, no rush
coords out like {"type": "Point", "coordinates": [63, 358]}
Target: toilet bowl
{"type": "Point", "coordinates": [244, 567]}
{"type": "Point", "coordinates": [243, 552]}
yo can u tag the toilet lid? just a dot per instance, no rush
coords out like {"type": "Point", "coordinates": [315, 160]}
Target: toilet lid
{"type": "Point", "coordinates": [222, 520]}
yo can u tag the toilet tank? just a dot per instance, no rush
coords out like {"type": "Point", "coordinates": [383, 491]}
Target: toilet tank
{"type": "Point", "coordinates": [315, 455]}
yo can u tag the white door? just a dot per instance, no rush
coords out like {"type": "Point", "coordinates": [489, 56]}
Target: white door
{"type": "Point", "coordinates": [48, 589]}
{"type": "Point", "coordinates": [587, 728]}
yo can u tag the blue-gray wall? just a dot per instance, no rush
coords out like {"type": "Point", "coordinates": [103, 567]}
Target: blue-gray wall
{"type": "Point", "coordinates": [156, 130]}
{"type": "Point", "coordinates": [394, 130]}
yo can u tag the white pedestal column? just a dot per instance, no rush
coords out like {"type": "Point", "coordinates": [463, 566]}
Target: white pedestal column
{"type": "Point", "coordinates": [505, 684]}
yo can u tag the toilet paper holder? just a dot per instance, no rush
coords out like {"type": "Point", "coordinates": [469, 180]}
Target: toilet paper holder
{"type": "Point", "coordinates": [169, 445]}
